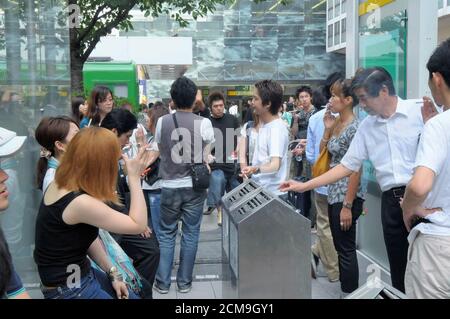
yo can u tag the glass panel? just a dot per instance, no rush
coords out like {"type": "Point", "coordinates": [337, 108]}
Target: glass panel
{"type": "Point", "coordinates": [330, 35]}
{"type": "Point", "coordinates": [34, 82]}
{"type": "Point", "coordinates": [337, 9]}
{"type": "Point", "coordinates": [343, 6]}
{"type": "Point", "coordinates": [337, 33]}
{"type": "Point", "coordinates": [330, 9]}
{"type": "Point", "coordinates": [344, 30]}
{"type": "Point", "coordinates": [246, 40]}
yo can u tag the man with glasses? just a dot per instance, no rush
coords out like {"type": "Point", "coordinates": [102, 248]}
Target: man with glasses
{"type": "Point", "coordinates": [389, 138]}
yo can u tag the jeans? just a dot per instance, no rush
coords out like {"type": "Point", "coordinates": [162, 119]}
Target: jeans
{"type": "Point", "coordinates": [345, 244]}
{"type": "Point", "coordinates": [153, 200]}
{"type": "Point", "coordinates": [219, 182]}
{"type": "Point", "coordinates": [183, 204]}
{"type": "Point", "coordinates": [95, 285]}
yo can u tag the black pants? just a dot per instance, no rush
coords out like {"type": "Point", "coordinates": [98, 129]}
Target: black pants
{"type": "Point", "coordinates": [145, 255]}
{"type": "Point", "coordinates": [395, 236]}
{"type": "Point", "coordinates": [345, 244]}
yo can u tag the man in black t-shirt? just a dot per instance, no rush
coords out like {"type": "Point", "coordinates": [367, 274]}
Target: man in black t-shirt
{"type": "Point", "coordinates": [223, 175]}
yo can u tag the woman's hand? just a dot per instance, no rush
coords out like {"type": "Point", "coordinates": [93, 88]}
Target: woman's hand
{"type": "Point", "coordinates": [136, 166]}
{"type": "Point", "coordinates": [147, 234]}
{"type": "Point", "coordinates": [346, 219]}
{"type": "Point", "coordinates": [121, 289]}
{"type": "Point", "coordinates": [329, 120]}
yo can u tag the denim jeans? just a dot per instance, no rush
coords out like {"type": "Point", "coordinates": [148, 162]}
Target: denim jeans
{"type": "Point", "coordinates": [153, 199]}
{"type": "Point", "coordinates": [95, 285]}
{"type": "Point", "coordinates": [218, 183]}
{"type": "Point", "coordinates": [183, 204]}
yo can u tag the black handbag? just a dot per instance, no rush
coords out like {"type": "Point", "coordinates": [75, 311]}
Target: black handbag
{"type": "Point", "coordinates": [199, 172]}
{"type": "Point", "coordinates": [152, 173]}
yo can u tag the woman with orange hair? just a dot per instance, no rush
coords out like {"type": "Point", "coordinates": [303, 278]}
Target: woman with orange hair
{"type": "Point", "coordinates": [73, 209]}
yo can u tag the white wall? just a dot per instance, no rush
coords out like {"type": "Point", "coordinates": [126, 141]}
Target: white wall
{"type": "Point", "coordinates": [146, 50]}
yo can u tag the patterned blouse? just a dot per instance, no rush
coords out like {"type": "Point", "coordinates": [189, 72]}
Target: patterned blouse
{"type": "Point", "coordinates": [303, 122]}
{"type": "Point", "coordinates": [338, 146]}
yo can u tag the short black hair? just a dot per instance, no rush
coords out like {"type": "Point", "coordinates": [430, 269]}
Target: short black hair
{"type": "Point", "coordinates": [158, 104]}
{"type": "Point", "coordinates": [215, 96]}
{"type": "Point", "coordinates": [120, 119]}
{"type": "Point", "coordinates": [318, 99]}
{"type": "Point", "coordinates": [440, 61]}
{"type": "Point", "coordinates": [270, 92]}
{"type": "Point", "coordinates": [302, 89]}
{"type": "Point", "coordinates": [373, 80]}
{"type": "Point", "coordinates": [183, 92]}
{"type": "Point", "coordinates": [328, 83]}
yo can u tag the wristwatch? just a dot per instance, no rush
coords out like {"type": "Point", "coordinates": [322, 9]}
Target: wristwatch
{"type": "Point", "coordinates": [258, 170]}
{"type": "Point", "coordinates": [347, 205]}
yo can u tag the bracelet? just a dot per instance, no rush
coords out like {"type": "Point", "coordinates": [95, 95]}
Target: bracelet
{"type": "Point", "coordinates": [326, 141]}
{"type": "Point", "coordinates": [114, 275]}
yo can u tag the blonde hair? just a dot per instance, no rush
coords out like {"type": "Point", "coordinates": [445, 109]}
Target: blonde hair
{"type": "Point", "coordinates": [90, 164]}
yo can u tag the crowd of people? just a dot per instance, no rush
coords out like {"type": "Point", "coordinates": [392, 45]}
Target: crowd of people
{"type": "Point", "coordinates": [117, 188]}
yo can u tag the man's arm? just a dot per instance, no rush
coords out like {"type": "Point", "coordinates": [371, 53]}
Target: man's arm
{"type": "Point", "coordinates": [329, 177]}
{"type": "Point", "coordinates": [311, 143]}
{"type": "Point", "coordinates": [416, 192]}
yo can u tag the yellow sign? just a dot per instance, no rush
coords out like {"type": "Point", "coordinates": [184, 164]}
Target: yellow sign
{"type": "Point", "coordinates": [239, 93]}
{"type": "Point", "coordinates": [371, 5]}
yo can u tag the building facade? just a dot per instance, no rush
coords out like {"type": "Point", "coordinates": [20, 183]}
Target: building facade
{"type": "Point", "coordinates": [244, 42]}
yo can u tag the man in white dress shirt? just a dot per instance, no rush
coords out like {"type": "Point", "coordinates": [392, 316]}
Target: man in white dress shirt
{"type": "Point", "coordinates": [427, 200]}
{"type": "Point", "coordinates": [389, 138]}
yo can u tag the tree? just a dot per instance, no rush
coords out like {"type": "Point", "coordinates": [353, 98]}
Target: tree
{"type": "Point", "coordinates": [99, 18]}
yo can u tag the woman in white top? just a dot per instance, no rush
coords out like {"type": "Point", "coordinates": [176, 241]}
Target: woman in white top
{"type": "Point", "coordinates": [152, 192]}
{"type": "Point", "coordinates": [247, 142]}
{"type": "Point", "coordinates": [53, 134]}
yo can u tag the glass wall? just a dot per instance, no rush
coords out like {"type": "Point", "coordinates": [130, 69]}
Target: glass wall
{"type": "Point", "coordinates": [34, 82]}
{"type": "Point", "coordinates": [244, 42]}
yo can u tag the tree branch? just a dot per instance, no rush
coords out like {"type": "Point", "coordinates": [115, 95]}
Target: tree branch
{"type": "Point", "coordinates": [105, 31]}
{"type": "Point", "coordinates": [91, 25]}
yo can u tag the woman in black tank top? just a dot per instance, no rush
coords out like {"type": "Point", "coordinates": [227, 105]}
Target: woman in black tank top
{"type": "Point", "coordinates": [74, 208]}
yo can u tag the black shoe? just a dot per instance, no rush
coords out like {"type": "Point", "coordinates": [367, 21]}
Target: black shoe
{"type": "Point", "coordinates": [209, 211]}
{"type": "Point", "coordinates": [314, 265]}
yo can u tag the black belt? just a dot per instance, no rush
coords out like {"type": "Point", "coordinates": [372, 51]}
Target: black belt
{"type": "Point", "coordinates": [396, 192]}
{"type": "Point", "coordinates": [420, 221]}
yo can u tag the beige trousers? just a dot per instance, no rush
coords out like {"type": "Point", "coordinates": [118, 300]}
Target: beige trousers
{"type": "Point", "coordinates": [428, 270]}
{"type": "Point", "coordinates": [324, 246]}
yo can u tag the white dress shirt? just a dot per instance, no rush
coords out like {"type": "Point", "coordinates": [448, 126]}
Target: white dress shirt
{"type": "Point", "coordinates": [390, 144]}
{"type": "Point", "coordinates": [316, 129]}
{"type": "Point", "coordinates": [434, 153]}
